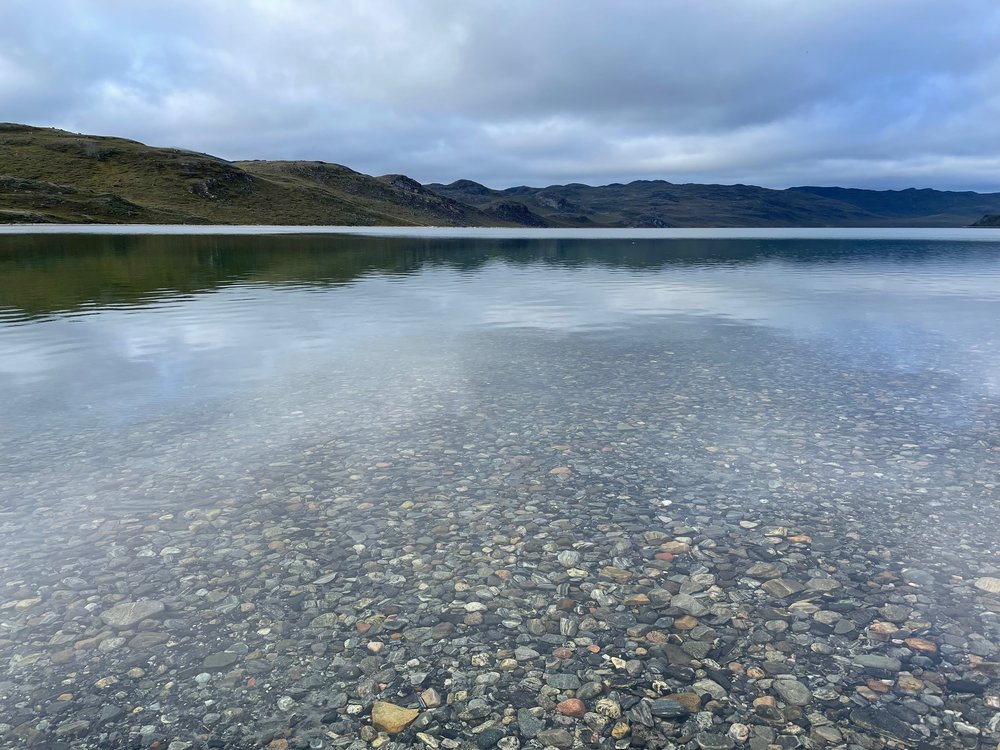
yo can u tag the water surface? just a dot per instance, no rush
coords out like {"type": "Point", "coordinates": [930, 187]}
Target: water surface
{"type": "Point", "coordinates": [220, 422]}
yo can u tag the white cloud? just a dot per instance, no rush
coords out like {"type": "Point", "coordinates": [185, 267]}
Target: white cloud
{"type": "Point", "coordinates": [773, 92]}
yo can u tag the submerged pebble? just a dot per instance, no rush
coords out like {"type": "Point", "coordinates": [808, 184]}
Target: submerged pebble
{"type": "Point", "coordinates": [689, 536]}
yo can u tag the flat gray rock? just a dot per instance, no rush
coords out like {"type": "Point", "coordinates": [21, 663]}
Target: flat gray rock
{"type": "Point", "coordinates": [220, 660]}
{"type": "Point", "coordinates": [523, 653]}
{"type": "Point", "coordinates": [528, 724]}
{"type": "Point", "coordinates": [325, 620]}
{"type": "Point", "coordinates": [556, 738]}
{"type": "Point", "coordinates": [688, 604]}
{"type": "Point", "coordinates": [127, 614]}
{"type": "Point", "coordinates": [711, 687]}
{"type": "Point", "coordinates": [779, 588]}
{"type": "Point", "coordinates": [792, 692]}
{"type": "Point", "coordinates": [563, 681]}
{"type": "Point", "coordinates": [765, 570]}
{"type": "Point", "coordinates": [881, 663]}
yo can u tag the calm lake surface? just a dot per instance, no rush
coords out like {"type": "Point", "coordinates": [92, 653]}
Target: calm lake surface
{"type": "Point", "coordinates": [540, 490]}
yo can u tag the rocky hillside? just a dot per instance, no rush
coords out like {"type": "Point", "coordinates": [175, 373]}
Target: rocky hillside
{"type": "Point", "coordinates": [49, 175]}
{"type": "Point", "coordinates": [990, 220]}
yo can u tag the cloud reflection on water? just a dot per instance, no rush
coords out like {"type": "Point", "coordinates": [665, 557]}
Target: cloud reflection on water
{"type": "Point", "coordinates": [901, 317]}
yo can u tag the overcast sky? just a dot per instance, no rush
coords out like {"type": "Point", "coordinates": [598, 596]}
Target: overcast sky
{"type": "Point", "coordinates": [872, 93]}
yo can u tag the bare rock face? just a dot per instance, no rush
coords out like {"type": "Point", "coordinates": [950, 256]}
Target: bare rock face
{"type": "Point", "coordinates": [403, 182]}
{"type": "Point", "coordinates": [388, 717]}
{"type": "Point", "coordinates": [516, 213]}
{"type": "Point", "coordinates": [127, 614]}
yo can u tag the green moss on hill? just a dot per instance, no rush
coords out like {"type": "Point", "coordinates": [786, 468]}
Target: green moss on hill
{"type": "Point", "coordinates": [49, 175]}
{"type": "Point", "coordinates": [52, 175]}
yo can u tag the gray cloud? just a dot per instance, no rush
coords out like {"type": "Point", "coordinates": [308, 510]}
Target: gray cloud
{"type": "Point", "coordinates": [773, 92]}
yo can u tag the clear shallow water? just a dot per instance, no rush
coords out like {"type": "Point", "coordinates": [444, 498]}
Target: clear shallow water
{"type": "Point", "coordinates": [103, 331]}
{"type": "Point", "coordinates": [303, 387]}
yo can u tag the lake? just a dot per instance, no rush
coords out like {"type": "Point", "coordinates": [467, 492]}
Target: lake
{"type": "Point", "coordinates": [693, 489]}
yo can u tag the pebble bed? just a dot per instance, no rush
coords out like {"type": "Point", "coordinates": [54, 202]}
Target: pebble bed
{"type": "Point", "coordinates": [689, 536]}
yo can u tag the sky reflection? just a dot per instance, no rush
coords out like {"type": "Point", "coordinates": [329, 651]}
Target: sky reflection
{"type": "Point", "coordinates": [123, 362]}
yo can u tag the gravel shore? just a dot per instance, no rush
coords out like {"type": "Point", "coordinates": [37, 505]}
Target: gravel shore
{"type": "Point", "coordinates": [588, 545]}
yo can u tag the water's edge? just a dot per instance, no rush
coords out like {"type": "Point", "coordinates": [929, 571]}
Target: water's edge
{"type": "Point", "coordinates": [966, 234]}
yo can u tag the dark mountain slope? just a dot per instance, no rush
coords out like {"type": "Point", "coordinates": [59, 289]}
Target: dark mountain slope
{"type": "Point", "coordinates": [936, 207]}
{"type": "Point", "coordinates": [656, 203]}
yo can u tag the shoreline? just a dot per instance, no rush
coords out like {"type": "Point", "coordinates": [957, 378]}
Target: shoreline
{"type": "Point", "coordinates": [973, 234]}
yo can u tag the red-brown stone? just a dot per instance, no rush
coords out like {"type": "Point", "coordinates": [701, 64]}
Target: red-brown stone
{"type": "Point", "coordinates": [572, 707]}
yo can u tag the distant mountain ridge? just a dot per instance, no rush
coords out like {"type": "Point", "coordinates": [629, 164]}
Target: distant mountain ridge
{"type": "Point", "coordinates": [657, 203]}
{"type": "Point", "coordinates": [49, 175]}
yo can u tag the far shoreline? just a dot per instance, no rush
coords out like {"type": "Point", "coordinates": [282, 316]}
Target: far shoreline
{"type": "Point", "coordinates": [967, 233]}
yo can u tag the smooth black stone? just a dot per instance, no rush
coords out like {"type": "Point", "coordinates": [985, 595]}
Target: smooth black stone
{"type": "Point", "coordinates": [489, 738]}
{"type": "Point", "coordinates": [966, 686]}
{"type": "Point", "coordinates": [665, 708]}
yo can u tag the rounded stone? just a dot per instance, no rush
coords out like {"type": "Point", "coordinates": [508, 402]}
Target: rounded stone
{"type": "Point", "coordinates": [572, 707]}
{"type": "Point", "coordinates": [390, 718]}
{"type": "Point", "coordinates": [127, 614]}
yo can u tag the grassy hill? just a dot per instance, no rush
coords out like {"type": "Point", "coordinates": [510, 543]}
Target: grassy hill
{"type": "Point", "coordinates": [53, 175]}
{"type": "Point", "coordinates": [49, 175]}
